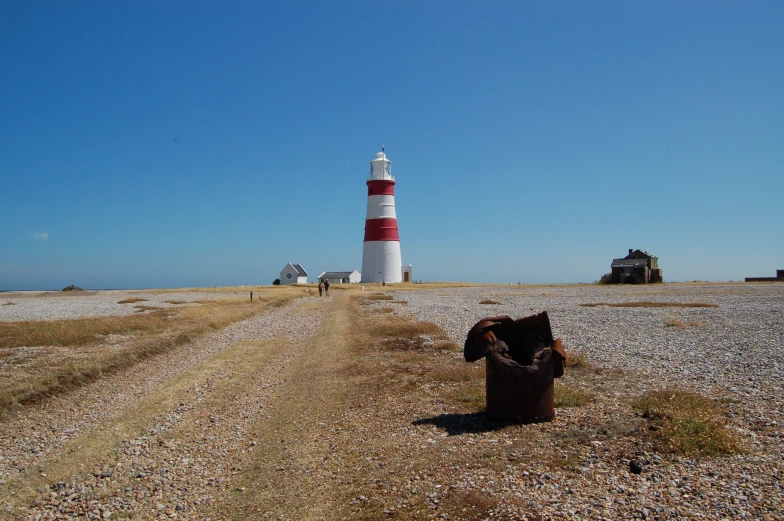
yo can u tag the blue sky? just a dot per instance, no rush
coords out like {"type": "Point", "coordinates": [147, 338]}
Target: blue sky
{"type": "Point", "coordinates": [168, 144]}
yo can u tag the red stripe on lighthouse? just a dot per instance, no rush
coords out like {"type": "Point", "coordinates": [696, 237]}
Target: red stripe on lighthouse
{"type": "Point", "coordinates": [381, 187]}
{"type": "Point", "coordinates": [381, 230]}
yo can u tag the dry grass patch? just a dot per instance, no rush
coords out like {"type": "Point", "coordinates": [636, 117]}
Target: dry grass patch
{"type": "Point", "coordinates": [470, 396]}
{"type": "Point", "coordinates": [405, 328]}
{"type": "Point", "coordinates": [566, 396]}
{"type": "Point", "coordinates": [218, 301]}
{"type": "Point", "coordinates": [131, 300]}
{"type": "Point", "coordinates": [446, 345]}
{"type": "Point", "coordinates": [410, 358]}
{"type": "Point", "coordinates": [686, 422]}
{"type": "Point", "coordinates": [575, 359]}
{"type": "Point", "coordinates": [141, 308]}
{"type": "Point", "coordinates": [379, 296]}
{"type": "Point", "coordinates": [676, 323]}
{"type": "Point", "coordinates": [618, 426]}
{"type": "Point", "coordinates": [489, 302]}
{"type": "Point", "coordinates": [646, 304]}
{"type": "Point", "coordinates": [82, 356]}
{"type": "Point", "coordinates": [679, 323]}
{"type": "Point", "coordinates": [176, 302]}
{"type": "Point", "coordinates": [404, 346]}
{"type": "Point", "coordinates": [385, 310]}
{"type": "Point", "coordinates": [9, 303]}
{"type": "Point", "coordinates": [469, 505]}
{"type": "Point", "coordinates": [75, 332]}
{"type": "Point", "coordinates": [463, 372]}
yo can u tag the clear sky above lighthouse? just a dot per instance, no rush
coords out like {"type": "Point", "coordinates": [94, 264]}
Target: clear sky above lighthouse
{"type": "Point", "coordinates": [169, 143]}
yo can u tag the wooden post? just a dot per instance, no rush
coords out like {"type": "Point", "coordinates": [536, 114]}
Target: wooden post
{"type": "Point", "coordinates": [251, 297]}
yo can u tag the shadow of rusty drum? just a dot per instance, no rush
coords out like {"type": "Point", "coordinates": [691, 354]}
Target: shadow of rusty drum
{"type": "Point", "coordinates": [522, 360]}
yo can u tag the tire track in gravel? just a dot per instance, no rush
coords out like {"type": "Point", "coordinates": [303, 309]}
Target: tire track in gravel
{"type": "Point", "coordinates": [296, 471]}
{"type": "Point", "coordinates": [153, 393]}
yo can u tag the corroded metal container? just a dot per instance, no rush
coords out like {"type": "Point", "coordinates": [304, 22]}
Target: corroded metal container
{"type": "Point", "coordinates": [522, 360]}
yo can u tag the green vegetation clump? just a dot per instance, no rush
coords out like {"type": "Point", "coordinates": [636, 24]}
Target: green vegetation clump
{"type": "Point", "coordinates": [72, 287]}
{"type": "Point", "coordinates": [605, 279]}
{"type": "Point", "coordinates": [570, 397]}
{"type": "Point", "coordinates": [687, 422]}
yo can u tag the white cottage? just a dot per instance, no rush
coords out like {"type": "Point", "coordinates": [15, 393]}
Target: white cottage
{"type": "Point", "coordinates": [341, 277]}
{"type": "Point", "coordinates": [293, 274]}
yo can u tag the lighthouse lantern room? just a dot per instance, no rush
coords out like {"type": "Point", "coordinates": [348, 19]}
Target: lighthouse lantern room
{"type": "Point", "coordinates": [381, 261]}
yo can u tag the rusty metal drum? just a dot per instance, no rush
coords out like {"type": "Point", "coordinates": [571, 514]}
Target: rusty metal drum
{"type": "Point", "coordinates": [522, 360]}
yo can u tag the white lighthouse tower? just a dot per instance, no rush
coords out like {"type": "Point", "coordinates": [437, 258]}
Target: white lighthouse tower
{"type": "Point", "coordinates": [381, 260]}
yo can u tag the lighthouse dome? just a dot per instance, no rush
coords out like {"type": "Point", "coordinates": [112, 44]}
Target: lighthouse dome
{"type": "Point", "coordinates": [381, 155]}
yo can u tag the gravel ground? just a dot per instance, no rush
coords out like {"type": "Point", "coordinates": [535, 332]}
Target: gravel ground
{"type": "Point", "coordinates": [187, 460]}
{"type": "Point", "coordinates": [30, 437]}
{"type": "Point", "coordinates": [36, 305]}
{"type": "Point", "coordinates": [734, 351]}
{"type": "Point", "coordinates": [737, 347]}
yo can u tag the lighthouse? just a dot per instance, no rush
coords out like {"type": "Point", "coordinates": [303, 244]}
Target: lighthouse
{"type": "Point", "coordinates": [381, 260]}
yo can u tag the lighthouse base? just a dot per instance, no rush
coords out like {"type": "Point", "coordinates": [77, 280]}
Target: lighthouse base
{"type": "Point", "coordinates": [381, 262]}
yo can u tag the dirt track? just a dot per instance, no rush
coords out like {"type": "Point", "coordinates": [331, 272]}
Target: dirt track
{"type": "Point", "coordinates": [175, 449]}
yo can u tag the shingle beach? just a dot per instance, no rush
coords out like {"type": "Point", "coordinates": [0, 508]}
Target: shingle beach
{"type": "Point", "coordinates": [730, 349]}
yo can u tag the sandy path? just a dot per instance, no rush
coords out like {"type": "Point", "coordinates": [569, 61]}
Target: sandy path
{"type": "Point", "coordinates": [295, 474]}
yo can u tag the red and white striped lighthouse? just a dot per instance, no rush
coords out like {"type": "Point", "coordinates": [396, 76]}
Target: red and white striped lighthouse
{"type": "Point", "coordinates": [381, 261]}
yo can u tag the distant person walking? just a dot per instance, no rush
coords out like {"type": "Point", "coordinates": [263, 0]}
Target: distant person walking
{"type": "Point", "coordinates": [321, 288]}
{"type": "Point", "coordinates": [326, 287]}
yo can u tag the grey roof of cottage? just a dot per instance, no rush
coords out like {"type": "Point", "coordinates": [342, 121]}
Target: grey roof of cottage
{"type": "Point", "coordinates": [298, 268]}
{"type": "Point", "coordinates": [336, 274]}
{"type": "Point", "coordinates": [629, 263]}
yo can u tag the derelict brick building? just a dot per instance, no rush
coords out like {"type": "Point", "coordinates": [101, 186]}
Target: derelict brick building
{"type": "Point", "coordinates": [639, 267]}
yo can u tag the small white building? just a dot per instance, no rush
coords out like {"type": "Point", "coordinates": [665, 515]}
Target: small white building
{"type": "Point", "coordinates": [341, 277]}
{"type": "Point", "coordinates": [293, 274]}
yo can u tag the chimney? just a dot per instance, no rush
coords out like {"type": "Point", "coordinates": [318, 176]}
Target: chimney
{"type": "Point", "coordinates": [630, 251]}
